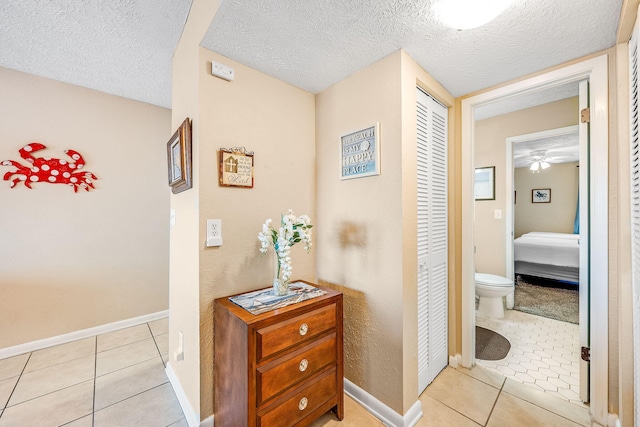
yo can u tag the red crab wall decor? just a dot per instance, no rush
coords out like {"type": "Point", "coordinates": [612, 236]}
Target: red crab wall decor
{"type": "Point", "coordinates": [47, 169]}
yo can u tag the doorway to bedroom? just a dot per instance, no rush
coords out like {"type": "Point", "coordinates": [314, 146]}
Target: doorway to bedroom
{"type": "Point", "coordinates": [542, 217]}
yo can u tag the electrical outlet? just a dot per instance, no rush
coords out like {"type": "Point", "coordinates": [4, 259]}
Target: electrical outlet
{"type": "Point", "coordinates": [178, 355]}
{"type": "Point", "coordinates": [214, 232]}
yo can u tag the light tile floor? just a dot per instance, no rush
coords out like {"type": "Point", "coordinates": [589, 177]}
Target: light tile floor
{"type": "Point", "coordinates": [118, 379]}
{"type": "Point", "coordinates": [114, 379]}
{"type": "Point", "coordinates": [545, 353]}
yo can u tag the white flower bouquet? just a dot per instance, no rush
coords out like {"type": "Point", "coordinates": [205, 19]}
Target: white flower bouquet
{"type": "Point", "coordinates": [292, 230]}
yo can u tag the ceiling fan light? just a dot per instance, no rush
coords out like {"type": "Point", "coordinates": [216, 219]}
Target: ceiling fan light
{"type": "Point", "coordinates": [544, 164]}
{"type": "Point", "coordinates": [534, 166]}
{"type": "Point", "coordinates": [468, 14]}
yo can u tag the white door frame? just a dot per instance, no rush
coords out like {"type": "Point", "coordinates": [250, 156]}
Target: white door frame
{"type": "Point", "coordinates": [596, 70]}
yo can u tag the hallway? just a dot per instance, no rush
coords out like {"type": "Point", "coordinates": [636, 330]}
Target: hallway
{"type": "Point", "coordinates": [118, 379]}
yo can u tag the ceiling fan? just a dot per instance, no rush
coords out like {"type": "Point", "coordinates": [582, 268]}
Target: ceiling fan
{"type": "Point", "coordinates": [542, 159]}
{"type": "Point", "coordinates": [539, 160]}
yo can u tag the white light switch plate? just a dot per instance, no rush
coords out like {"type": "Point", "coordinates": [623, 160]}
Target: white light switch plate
{"type": "Point", "coordinates": [214, 232]}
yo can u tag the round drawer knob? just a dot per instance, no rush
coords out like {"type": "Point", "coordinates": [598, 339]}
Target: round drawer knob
{"type": "Point", "coordinates": [303, 403]}
{"type": "Point", "coordinates": [303, 365]}
{"type": "Point", "coordinates": [303, 329]}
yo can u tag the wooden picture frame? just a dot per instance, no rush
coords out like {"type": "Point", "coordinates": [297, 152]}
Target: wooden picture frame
{"type": "Point", "coordinates": [485, 183]}
{"type": "Point", "coordinates": [541, 195]}
{"type": "Point", "coordinates": [360, 153]}
{"type": "Point", "coordinates": [179, 158]}
{"type": "Point", "coordinates": [235, 167]}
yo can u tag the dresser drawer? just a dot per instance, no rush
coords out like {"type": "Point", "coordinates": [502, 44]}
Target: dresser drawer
{"type": "Point", "coordinates": [301, 403]}
{"type": "Point", "coordinates": [292, 369]}
{"type": "Point", "coordinates": [275, 338]}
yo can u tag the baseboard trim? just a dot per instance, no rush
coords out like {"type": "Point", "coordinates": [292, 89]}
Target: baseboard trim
{"type": "Point", "coordinates": [454, 361]}
{"type": "Point", "coordinates": [387, 415]}
{"type": "Point", "coordinates": [193, 418]}
{"type": "Point", "coordinates": [207, 422]}
{"type": "Point", "coordinates": [78, 335]}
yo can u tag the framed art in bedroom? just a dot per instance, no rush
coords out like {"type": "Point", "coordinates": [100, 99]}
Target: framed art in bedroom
{"type": "Point", "coordinates": [541, 195]}
{"type": "Point", "coordinates": [485, 184]}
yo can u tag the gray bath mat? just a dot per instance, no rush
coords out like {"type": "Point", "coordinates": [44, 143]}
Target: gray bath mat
{"type": "Point", "coordinates": [491, 345]}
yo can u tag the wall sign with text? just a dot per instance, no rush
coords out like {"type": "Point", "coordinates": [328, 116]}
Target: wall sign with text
{"type": "Point", "coordinates": [235, 167]}
{"type": "Point", "coordinates": [360, 153]}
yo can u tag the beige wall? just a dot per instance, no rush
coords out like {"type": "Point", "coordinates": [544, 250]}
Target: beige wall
{"type": "Point", "coordinates": [490, 148]}
{"type": "Point", "coordinates": [557, 216]}
{"type": "Point", "coordinates": [359, 226]}
{"type": "Point", "coordinates": [74, 261]}
{"type": "Point", "coordinates": [624, 339]}
{"type": "Point", "coordinates": [184, 297]}
{"type": "Point", "coordinates": [367, 246]}
{"type": "Point", "coordinates": [277, 122]}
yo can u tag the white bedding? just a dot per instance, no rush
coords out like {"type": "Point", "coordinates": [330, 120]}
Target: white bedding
{"type": "Point", "coordinates": [557, 249]}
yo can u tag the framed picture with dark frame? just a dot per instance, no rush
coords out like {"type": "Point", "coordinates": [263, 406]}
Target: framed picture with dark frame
{"type": "Point", "coordinates": [485, 183]}
{"type": "Point", "coordinates": [541, 195]}
{"type": "Point", "coordinates": [179, 158]}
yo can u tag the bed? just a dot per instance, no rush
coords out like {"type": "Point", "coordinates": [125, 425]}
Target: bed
{"type": "Point", "coordinates": [549, 255]}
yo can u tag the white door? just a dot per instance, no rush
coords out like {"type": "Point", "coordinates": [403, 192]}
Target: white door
{"type": "Point", "coordinates": [432, 239]}
{"type": "Point", "coordinates": [585, 262]}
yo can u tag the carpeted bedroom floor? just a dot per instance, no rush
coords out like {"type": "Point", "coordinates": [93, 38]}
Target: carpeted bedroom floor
{"type": "Point", "coordinates": [544, 298]}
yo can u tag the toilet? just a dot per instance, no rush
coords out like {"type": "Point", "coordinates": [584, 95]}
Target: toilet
{"type": "Point", "coordinates": [491, 288]}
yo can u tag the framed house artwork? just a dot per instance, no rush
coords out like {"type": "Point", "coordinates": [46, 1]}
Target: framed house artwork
{"type": "Point", "coordinates": [179, 158]}
{"type": "Point", "coordinates": [235, 167]}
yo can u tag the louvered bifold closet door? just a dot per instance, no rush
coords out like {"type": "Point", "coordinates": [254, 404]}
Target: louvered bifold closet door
{"type": "Point", "coordinates": [432, 238]}
{"type": "Point", "coordinates": [635, 211]}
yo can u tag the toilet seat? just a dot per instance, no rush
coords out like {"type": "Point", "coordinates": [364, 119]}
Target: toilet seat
{"type": "Point", "coordinates": [492, 280]}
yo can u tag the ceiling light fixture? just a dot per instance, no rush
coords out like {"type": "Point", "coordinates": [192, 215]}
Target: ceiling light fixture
{"type": "Point", "coordinates": [535, 166]}
{"type": "Point", "coordinates": [539, 160]}
{"type": "Point", "coordinates": [468, 14]}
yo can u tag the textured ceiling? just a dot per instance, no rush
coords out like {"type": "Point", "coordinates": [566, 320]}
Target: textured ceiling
{"type": "Point", "coordinates": [122, 47]}
{"type": "Point", "coordinates": [528, 100]}
{"type": "Point", "coordinates": [557, 149]}
{"type": "Point", "coordinates": [313, 44]}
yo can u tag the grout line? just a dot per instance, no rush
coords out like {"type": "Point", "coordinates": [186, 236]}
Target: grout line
{"type": "Point", "coordinates": [452, 408]}
{"type": "Point", "coordinates": [127, 367]}
{"type": "Point", "coordinates": [137, 394]}
{"type": "Point", "coordinates": [496, 401]}
{"type": "Point", "coordinates": [47, 394]}
{"type": "Point", "coordinates": [95, 374]}
{"type": "Point", "coordinates": [128, 343]}
{"type": "Point", "coordinates": [58, 364]}
{"type": "Point", "coordinates": [6, 405]}
{"type": "Point", "coordinates": [156, 344]}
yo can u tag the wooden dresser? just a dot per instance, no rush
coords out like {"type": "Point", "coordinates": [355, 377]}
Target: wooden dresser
{"type": "Point", "coordinates": [279, 368]}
